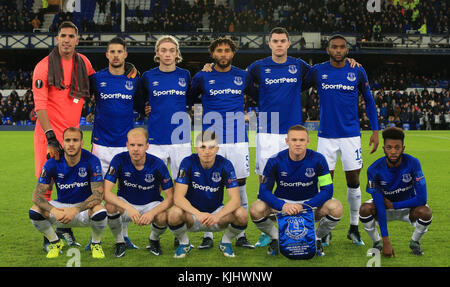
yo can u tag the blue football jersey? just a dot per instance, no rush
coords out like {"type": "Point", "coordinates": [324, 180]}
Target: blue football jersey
{"type": "Point", "coordinates": [166, 92]}
{"type": "Point", "coordinates": [279, 93]}
{"type": "Point", "coordinates": [338, 90]}
{"type": "Point", "coordinates": [404, 186]}
{"type": "Point", "coordinates": [73, 184]}
{"type": "Point", "coordinates": [295, 180]}
{"type": "Point", "coordinates": [222, 96]}
{"type": "Point", "coordinates": [396, 184]}
{"type": "Point", "coordinates": [114, 96]}
{"type": "Point", "coordinates": [139, 187]}
{"type": "Point", "coordinates": [206, 186]}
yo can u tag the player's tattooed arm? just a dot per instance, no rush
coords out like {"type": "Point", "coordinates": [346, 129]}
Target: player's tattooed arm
{"type": "Point", "coordinates": [39, 197]}
{"type": "Point", "coordinates": [93, 200]}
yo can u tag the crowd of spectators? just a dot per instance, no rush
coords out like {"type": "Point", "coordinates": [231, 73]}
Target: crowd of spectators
{"type": "Point", "coordinates": [16, 79]}
{"type": "Point", "coordinates": [396, 16]}
{"type": "Point", "coordinates": [18, 18]}
{"type": "Point", "coordinates": [424, 109]}
{"type": "Point", "coordinates": [15, 110]}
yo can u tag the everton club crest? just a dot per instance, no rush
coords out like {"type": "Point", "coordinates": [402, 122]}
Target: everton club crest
{"type": "Point", "coordinates": [292, 69]}
{"type": "Point", "coordinates": [182, 82]}
{"type": "Point", "coordinates": [296, 228]}
{"type": "Point", "coordinates": [149, 178]}
{"type": "Point", "coordinates": [216, 177]}
{"type": "Point", "coordinates": [82, 172]}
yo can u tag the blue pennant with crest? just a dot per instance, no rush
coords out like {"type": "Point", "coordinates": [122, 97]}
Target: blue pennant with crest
{"type": "Point", "coordinates": [297, 234]}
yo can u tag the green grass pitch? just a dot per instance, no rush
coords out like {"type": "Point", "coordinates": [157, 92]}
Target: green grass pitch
{"type": "Point", "coordinates": [22, 245]}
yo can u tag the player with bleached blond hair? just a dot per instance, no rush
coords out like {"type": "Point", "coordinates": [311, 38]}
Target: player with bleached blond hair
{"type": "Point", "coordinates": [165, 88]}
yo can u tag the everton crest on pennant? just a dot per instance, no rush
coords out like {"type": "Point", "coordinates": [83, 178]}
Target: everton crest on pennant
{"type": "Point", "coordinates": [297, 234]}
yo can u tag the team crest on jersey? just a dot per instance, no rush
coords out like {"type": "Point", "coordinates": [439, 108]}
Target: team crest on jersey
{"type": "Point", "coordinates": [296, 228]}
{"type": "Point", "coordinates": [351, 76]}
{"type": "Point", "coordinates": [406, 177]}
{"type": "Point", "coordinates": [182, 82]}
{"type": "Point", "coordinates": [103, 84]}
{"type": "Point", "coordinates": [82, 172]}
{"type": "Point", "coordinates": [310, 172]}
{"type": "Point", "coordinates": [129, 85]}
{"type": "Point", "coordinates": [292, 69]}
{"type": "Point", "coordinates": [238, 81]}
{"type": "Point", "coordinates": [149, 178]}
{"type": "Point", "coordinates": [216, 177]}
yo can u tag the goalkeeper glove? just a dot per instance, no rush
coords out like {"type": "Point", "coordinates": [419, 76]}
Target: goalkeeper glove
{"type": "Point", "coordinates": [131, 71]}
{"type": "Point", "coordinates": [54, 148]}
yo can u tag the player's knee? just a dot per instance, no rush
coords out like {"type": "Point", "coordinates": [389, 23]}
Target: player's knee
{"type": "Point", "coordinates": [367, 209]}
{"type": "Point", "coordinates": [423, 212]}
{"type": "Point", "coordinates": [175, 215]}
{"type": "Point", "coordinates": [161, 218]}
{"type": "Point", "coordinates": [241, 216]}
{"type": "Point", "coordinates": [258, 209]}
{"type": "Point", "coordinates": [111, 208]}
{"type": "Point", "coordinates": [335, 208]}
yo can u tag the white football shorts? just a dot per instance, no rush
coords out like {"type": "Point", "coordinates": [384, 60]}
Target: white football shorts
{"type": "Point", "coordinates": [397, 214]}
{"type": "Point", "coordinates": [172, 155]}
{"type": "Point", "coordinates": [349, 149]}
{"type": "Point", "coordinates": [197, 226]}
{"type": "Point", "coordinates": [141, 208]}
{"type": "Point", "coordinates": [238, 154]}
{"type": "Point", "coordinates": [80, 220]}
{"type": "Point", "coordinates": [267, 146]}
{"type": "Point", "coordinates": [105, 154]}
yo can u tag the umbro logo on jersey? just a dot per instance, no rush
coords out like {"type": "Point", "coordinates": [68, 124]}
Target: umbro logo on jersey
{"type": "Point", "coordinates": [127, 174]}
{"type": "Point", "coordinates": [60, 175]}
{"type": "Point", "coordinates": [103, 84]}
{"type": "Point", "coordinates": [155, 83]}
{"type": "Point", "coordinates": [267, 71]}
{"type": "Point", "coordinates": [197, 174]}
{"type": "Point", "coordinates": [324, 76]}
{"type": "Point", "coordinates": [283, 173]}
{"type": "Point", "coordinates": [212, 82]}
